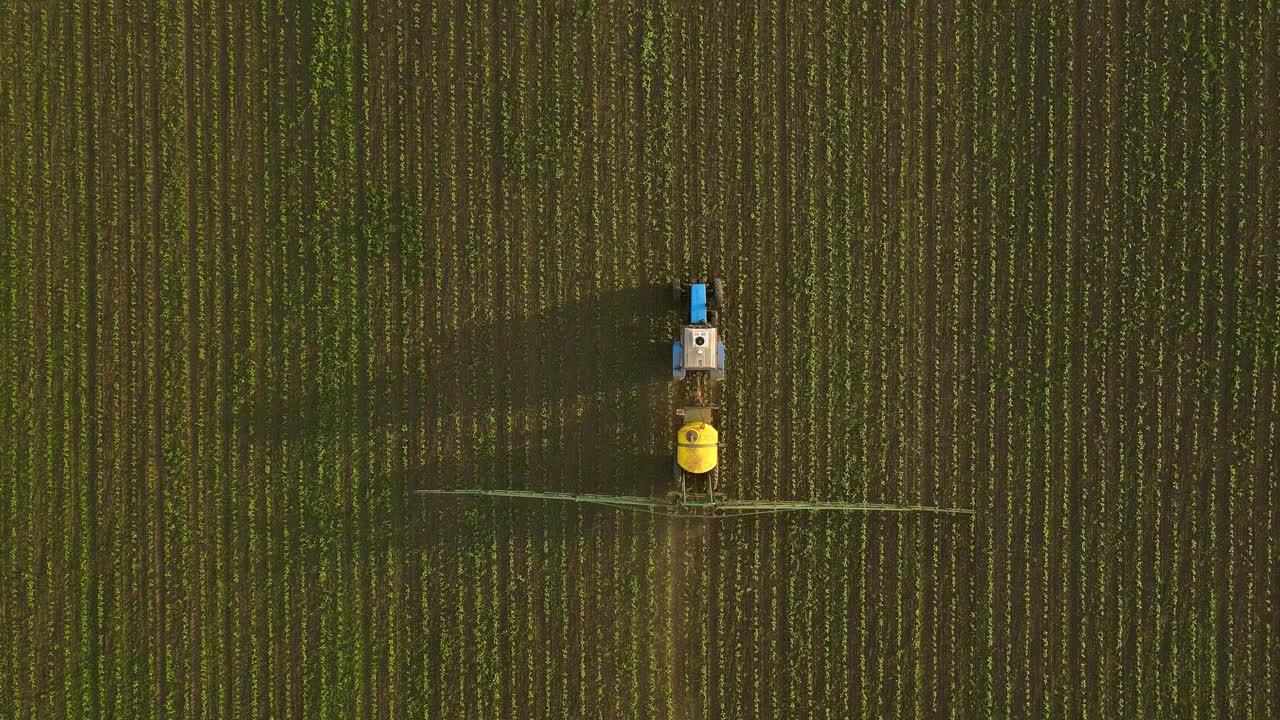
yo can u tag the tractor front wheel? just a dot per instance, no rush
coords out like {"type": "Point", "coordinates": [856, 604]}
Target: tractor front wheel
{"type": "Point", "coordinates": [677, 292]}
{"type": "Point", "coordinates": [717, 293]}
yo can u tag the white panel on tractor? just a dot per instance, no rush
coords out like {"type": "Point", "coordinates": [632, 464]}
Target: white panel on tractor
{"type": "Point", "coordinates": [699, 345]}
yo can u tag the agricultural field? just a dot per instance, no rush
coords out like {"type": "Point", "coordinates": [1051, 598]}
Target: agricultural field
{"type": "Point", "coordinates": [268, 267]}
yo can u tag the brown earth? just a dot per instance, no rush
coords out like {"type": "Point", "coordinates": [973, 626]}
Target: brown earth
{"type": "Point", "coordinates": [270, 267]}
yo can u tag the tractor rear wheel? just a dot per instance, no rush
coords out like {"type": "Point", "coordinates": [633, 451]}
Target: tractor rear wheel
{"type": "Point", "coordinates": [717, 293]}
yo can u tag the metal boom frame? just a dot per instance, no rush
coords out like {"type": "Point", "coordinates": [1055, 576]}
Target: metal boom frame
{"type": "Point", "coordinates": [704, 509]}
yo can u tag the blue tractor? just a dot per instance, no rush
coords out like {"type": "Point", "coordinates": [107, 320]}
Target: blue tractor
{"type": "Point", "coordinates": [699, 347]}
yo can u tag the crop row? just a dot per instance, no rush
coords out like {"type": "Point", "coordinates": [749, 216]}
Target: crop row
{"type": "Point", "coordinates": [265, 269]}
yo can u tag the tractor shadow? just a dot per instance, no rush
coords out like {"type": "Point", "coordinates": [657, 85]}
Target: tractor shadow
{"type": "Point", "coordinates": [611, 341]}
{"type": "Point", "coordinates": [576, 399]}
{"type": "Point", "coordinates": [573, 399]}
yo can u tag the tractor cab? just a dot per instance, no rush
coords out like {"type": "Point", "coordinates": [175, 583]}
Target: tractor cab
{"type": "Point", "coordinates": [699, 347]}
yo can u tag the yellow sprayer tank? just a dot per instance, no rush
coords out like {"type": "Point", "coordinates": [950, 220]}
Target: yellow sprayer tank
{"type": "Point", "coordinates": [697, 447]}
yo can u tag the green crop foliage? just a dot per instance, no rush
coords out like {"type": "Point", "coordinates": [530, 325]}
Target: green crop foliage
{"type": "Point", "coordinates": [268, 267]}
